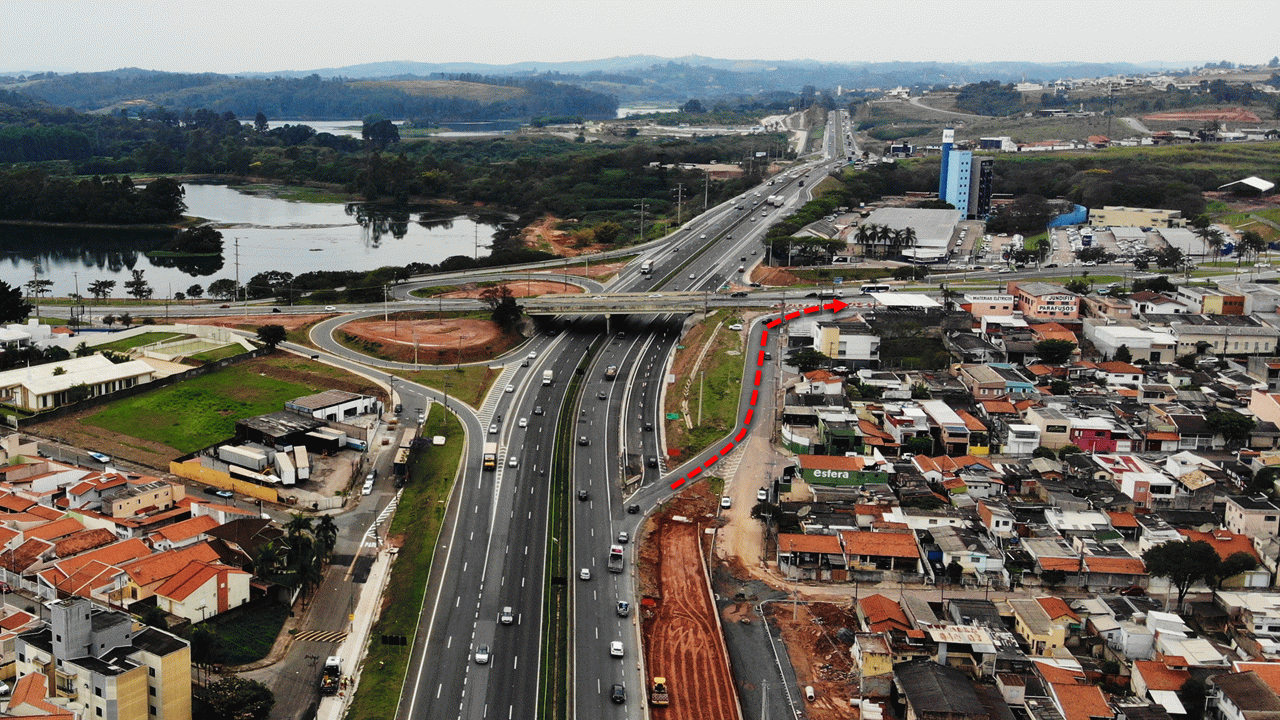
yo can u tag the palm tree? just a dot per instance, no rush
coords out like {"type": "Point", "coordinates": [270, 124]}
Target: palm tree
{"type": "Point", "coordinates": [326, 532]}
{"type": "Point", "coordinates": [884, 236]}
{"type": "Point", "coordinates": [864, 236]}
{"type": "Point", "coordinates": [1213, 238]}
{"type": "Point", "coordinates": [1252, 243]}
{"type": "Point", "coordinates": [268, 559]}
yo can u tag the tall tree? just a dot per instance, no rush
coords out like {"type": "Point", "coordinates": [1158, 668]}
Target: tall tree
{"type": "Point", "coordinates": [272, 335]}
{"type": "Point", "coordinates": [38, 287]}
{"type": "Point", "coordinates": [101, 289]}
{"type": "Point", "coordinates": [1184, 563]}
{"type": "Point", "coordinates": [1054, 352]}
{"type": "Point", "coordinates": [195, 291]}
{"type": "Point", "coordinates": [13, 307]}
{"type": "Point", "coordinates": [240, 699]}
{"type": "Point", "coordinates": [138, 286]}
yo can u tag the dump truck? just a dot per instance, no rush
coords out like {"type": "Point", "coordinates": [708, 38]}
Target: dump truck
{"type": "Point", "coordinates": [490, 456]}
{"type": "Point", "coordinates": [331, 677]}
{"type": "Point", "coordinates": [615, 558]}
{"type": "Point", "coordinates": [659, 696]}
{"type": "Point", "coordinates": [547, 377]}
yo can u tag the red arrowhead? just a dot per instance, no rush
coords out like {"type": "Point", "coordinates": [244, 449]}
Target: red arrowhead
{"type": "Point", "coordinates": [837, 305]}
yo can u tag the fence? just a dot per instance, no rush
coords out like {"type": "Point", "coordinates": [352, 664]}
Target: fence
{"type": "Point", "coordinates": [65, 410]}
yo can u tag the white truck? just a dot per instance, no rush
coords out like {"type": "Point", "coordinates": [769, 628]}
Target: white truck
{"type": "Point", "coordinates": [548, 377]}
{"type": "Point", "coordinates": [775, 200]}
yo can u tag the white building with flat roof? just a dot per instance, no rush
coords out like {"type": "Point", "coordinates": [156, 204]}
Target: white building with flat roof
{"type": "Point", "coordinates": [42, 387]}
{"type": "Point", "coordinates": [934, 230]}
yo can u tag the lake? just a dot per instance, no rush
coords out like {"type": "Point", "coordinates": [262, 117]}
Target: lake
{"type": "Point", "coordinates": [273, 234]}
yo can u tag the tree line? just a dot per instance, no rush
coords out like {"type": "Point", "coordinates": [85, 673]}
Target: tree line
{"type": "Point", "coordinates": [31, 194]}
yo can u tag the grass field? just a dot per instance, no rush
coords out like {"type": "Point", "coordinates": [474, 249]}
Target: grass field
{"type": "Point", "coordinates": [247, 635]}
{"type": "Point", "coordinates": [469, 384]}
{"type": "Point", "coordinates": [217, 354]}
{"type": "Point", "coordinates": [417, 523]}
{"type": "Point", "coordinates": [714, 391]}
{"type": "Point", "coordinates": [198, 412]}
{"type": "Point", "coordinates": [140, 340]}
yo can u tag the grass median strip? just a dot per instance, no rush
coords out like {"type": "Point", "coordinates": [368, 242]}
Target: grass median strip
{"type": "Point", "coordinates": [416, 525]}
{"type": "Point", "coordinates": [558, 605]}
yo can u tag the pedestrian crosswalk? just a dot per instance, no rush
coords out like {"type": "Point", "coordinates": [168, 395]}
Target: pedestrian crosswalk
{"type": "Point", "coordinates": [329, 636]}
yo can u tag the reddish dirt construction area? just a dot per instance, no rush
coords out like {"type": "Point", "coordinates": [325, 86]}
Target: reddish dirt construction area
{"type": "Point", "coordinates": [438, 341]}
{"type": "Point", "coordinates": [683, 643]}
{"type": "Point", "coordinates": [523, 288]}
{"type": "Point", "coordinates": [820, 657]}
{"type": "Point", "coordinates": [1222, 114]}
{"type": "Point", "coordinates": [773, 277]}
{"type": "Point", "coordinates": [252, 322]}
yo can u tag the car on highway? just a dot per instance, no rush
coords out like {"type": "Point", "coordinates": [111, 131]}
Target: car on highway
{"type": "Point", "coordinates": [725, 502]}
{"type": "Point", "coordinates": [584, 574]}
{"type": "Point", "coordinates": [583, 495]}
{"type": "Point", "coordinates": [511, 387]}
{"type": "Point", "coordinates": [762, 495]}
{"type": "Point", "coordinates": [623, 538]}
{"type": "Point", "coordinates": [615, 648]}
{"type": "Point", "coordinates": [100, 457]}
{"type": "Point", "coordinates": [738, 293]}
{"type": "Point", "coordinates": [513, 461]}
{"type": "Point", "coordinates": [692, 276]}
{"type": "Point", "coordinates": [482, 655]}
{"type": "Point", "coordinates": [533, 354]}
{"type": "Point", "coordinates": [537, 409]}
{"type": "Point", "coordinates": [648, 427]}
{"type": "Point", "coordinates": [524, 422]}
{"type": "Point", "coordinates": [655, 295]}
{"type": "Point", "coordinates": [493, 428]}
{"type": "Point", "coordinates": [330, 308]}
{"type": "Point", "coordinates": [507, 616]}
{"type": "Point", "coordinates": [602, 395]}
{"type": "Point", "coordinates": [653, 461]}
{"type": "Point", "coordinates": [618, 693]}
{"type": "Point", "coordinates": [582, 440]}
{"type": "Point", "coordinates": [623, 609]}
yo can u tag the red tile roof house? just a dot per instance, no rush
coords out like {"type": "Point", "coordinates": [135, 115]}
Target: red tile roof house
{"type": "Point", "coordinates": [811, 557]}
{"type": "Point", "coordinates": [1226, 544]}
{"type": "Point", "coordinates": [201, 590]}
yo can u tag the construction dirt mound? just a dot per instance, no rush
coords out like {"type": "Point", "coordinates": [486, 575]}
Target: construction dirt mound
{"type": "Point", "coordinates": [818, 637]}
{"type": "Point", "coordinates": [683, 641]}
{"type": "Point", "coordinates": [1235, 115]}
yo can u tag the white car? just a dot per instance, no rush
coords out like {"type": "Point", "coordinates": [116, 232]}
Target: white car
{"type": "Point", "coordinates": [368, 487]}
{"type": "Point", "coordinates": [98, 456]}
{"type": "Point", "coordinates": [511, 388]}
{"type": "Point", "coordinates": [524, 422]}
{"type": "Point", "coordinates": [762, 495]}
{"type": "Point", "coordinates": [493, 428]}
{"type": "Point", "coordinates": [533, 354]}
{"type": "Point", "coordinates": [615, 648]}
{"type": "Point", "coordinates": [482, 655]}
{"type": "Point", "coordinates": [725, 502]}
{"type": "Point", "coordinates": [585, 574]}
{"type": "Point", "coordinates": [736, 326]}
{"type": "Point", "coordinates": [513, 461]}
{"type": "Point", "coordinates": [330, 308]}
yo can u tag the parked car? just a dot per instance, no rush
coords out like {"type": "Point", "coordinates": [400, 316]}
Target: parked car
{"type": "Point", "coordinates": [726, 502]}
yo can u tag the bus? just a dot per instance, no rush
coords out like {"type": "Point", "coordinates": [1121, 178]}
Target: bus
{"type": "Point", "coordinates": [874, 288]}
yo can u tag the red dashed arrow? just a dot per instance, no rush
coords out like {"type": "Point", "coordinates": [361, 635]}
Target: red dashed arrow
{"type": "Point", "coordinates": [835, 306]}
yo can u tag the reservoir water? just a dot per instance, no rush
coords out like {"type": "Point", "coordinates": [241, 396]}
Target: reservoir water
{"type": "Point", "coordinates": [273, 234]}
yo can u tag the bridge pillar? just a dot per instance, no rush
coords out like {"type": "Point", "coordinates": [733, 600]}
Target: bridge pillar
{"type": "Point", "coordinates": [608, 324]}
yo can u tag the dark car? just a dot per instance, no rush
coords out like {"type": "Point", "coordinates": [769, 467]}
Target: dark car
{"type": "Point", "coordinates": [633, 509]}
{"type": "Point", "coordinates": [399, 481]}
{"type": "Point", "coordinates": [537, 410]}
{"type": "Point", "coordinates": [399, 408]}
{"type": "Point", "coordinates": [653, 461]}
{"type": "Point", "coordinates": [275, 310]}
{"type": "Point", "coordinates": [648, 427]}
{"type": "Point", "coordinates": [602, 395]}
{"type": "Point", "coordinates": [583, 495]}
{"type": "Point", "coordinates": [619, 693]}
{"type": "Point", "coordinates": [738, 293]}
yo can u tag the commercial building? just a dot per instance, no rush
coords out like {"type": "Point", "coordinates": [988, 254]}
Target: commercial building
{"type": "Point", "coordinates": [934, 230]}
{"type": "Point", "coordinates": [1212, 301]}
{"type": "Point", "coordinates": [1039, 301]}
{"type": "Point", "coordinates": [1116, 216]}
{"type": "Point", "coordinates": [963, 180]}
{"type": "Point", "coordinates": [110, 664]}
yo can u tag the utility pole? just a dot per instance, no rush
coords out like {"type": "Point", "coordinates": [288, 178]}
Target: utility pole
{"type": "Point", "coordinates": [706, 188]}
{"type": "Point", "coordinates": [679, 203]}
{"type": "Point", "coordinates": [237, 288]}
{"type": "Point", "coordinates": [384, 303]}
{"type": "Point", "coordinates": [702, 375]}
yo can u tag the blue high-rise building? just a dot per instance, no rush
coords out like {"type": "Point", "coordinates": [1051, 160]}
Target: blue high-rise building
{"type": "Point", "coordinates": [962, 181]}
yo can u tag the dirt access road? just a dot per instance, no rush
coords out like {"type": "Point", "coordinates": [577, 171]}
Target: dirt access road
{"type": "Point", "coordinates": [682, 638]}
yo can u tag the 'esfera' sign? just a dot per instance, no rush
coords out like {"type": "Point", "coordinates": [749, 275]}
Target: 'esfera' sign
{"type": "Point", "coordinates": [819, 476]}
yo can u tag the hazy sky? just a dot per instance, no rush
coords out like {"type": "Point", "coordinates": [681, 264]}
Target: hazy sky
{"type": "Point", "coordinates": [267, 35]}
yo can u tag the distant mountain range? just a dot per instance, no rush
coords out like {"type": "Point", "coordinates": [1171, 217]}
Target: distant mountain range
{"type": "Point", "coordinates": [449, 90]}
